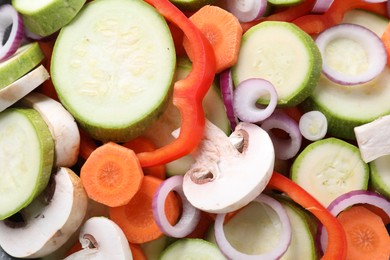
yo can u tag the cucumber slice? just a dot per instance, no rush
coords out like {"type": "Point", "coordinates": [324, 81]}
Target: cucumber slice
{"type": "Point", "coordinates": [380, 175]}
{"type": "Point", "coordinates": [283, 54]}
{"type": "Point", "coordinates": [329, 168]}
{"type": "Point", "coordinates": [285, 3]}
{"type": "Point", "coordinates": [192, 248]}
{"type": "Point", "coordinates": [26, 158]}
{"type": "Point", "coordinates": [109, 72]}
{"type": "Point", "coordinates": [255, 229]}
{"type": "Point", "coordinates": [44, 17]}
{"type": "Point", "coordinates": [346, 107]}
{"type": "Point", "coordinates": [26, 58]}
{"type": "Point", "coordinates": [160, 131]}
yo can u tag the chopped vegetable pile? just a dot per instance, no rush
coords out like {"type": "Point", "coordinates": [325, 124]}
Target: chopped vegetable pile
{"type": "Point", "coordinates": [195, 129]}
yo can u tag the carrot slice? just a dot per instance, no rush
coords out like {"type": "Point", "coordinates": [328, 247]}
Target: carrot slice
{"type": "Point", "coordinates": [112, 175]}
{"type": "Point", "coordinates": [386, 41]}
{"type": "Point", "coordinates": [367, 237]}
{"type": "Point", "coordinates": [222, 30]}
{"type": "Point", "coordinates": [136, 218]}
{"type": "Point", "coordinates": [144, 144]}
{"type": "Point", "coordinates": [137, 252]}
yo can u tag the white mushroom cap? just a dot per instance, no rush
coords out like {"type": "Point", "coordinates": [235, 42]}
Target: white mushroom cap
{"type": "Point", "coordinates": [101, 239]}
{"type": "Point", "coordinates": [224, 179]}
{"type": "Point", "coordinates": [47, 225]}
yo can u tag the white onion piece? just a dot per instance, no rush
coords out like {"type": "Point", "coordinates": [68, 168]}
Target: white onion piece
{"type": "Point", "coordinates": [313, 125]}
{"type": "Point", "coordinates": [189, 217]}
{"type": "Point", "coordinates": [9, 16]}
{"type": "Point", "coordinates": [285, 237]}
{"type": "Point", "coordinates": [321, 6]}
{"type": "Point", "coordinates": [32, 35]}
{"type": "Point", "coordinates": [375, 1]}
{"type": "Point", "coordinates": [367, 39]}
{"type": "Point", "coordinates": [245, 99]}
{"type": "Point", "coordinates": [284, 148]}
{"type": "Point", "coordinates": [349, 199]}
{"type": "Point", "coordinates": [226, 85]}
{"type": "Point", "coordinates": [247, 10]}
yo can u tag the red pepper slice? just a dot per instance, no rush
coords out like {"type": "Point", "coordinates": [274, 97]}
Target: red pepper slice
{"type": "Point", "coordinates": [286, 15]}
{"type": "Point", "coordinates": [187, 93]}
{"type": "Point", "coordinates": [316, 23]}
{"type": "Point", "coordinates": [337, 242]}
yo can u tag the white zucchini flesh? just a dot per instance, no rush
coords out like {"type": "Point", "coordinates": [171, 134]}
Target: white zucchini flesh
{"type": "Point", "coordinates": [26, 158]}
{"type": "Point", "coordinates": [329, 168]}
{"type": "Point", "coordinates": [61, 124]}
{"type": "Point", "coordinates": [21, 87]}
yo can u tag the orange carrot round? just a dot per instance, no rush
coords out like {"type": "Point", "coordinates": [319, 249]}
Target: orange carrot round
{"type": "Point", "coordinates": [136, 218]}
{"type": "Point", "coordinates": [367, 237]}
{"type": "Point", "coordinates": [386, 42]}
{"type": "Point", "coordinates": [144, 144]}
{"type": "Point", "coordinates": [223, 30]}
{"type": "Point", "coordinates": [137, 252]}
{"type": "Point", "coordinates": [111, 175]}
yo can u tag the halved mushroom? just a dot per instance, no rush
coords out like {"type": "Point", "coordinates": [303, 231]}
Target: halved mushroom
{"type": "Point", "coordinates": [48, 222]}
{"type": "Point", "coordinates": [101, 239]}
{"type": "Point", "coordinates": [229, 172]}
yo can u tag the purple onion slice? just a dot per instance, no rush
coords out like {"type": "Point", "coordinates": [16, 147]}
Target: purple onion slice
{"type": "Point", "coordinates": [351, 54]}
{"type": "Point", "coordinates": [284, 242]}
{"type": "Point", "coordinates": [11, 31]}
{"type": "Point", "coordinates": [226, 85]}
{"type": "Point", "coordinates": [349, 199]}
{"type": "Point", "coordinates": [246, 95]}
{"type": "Point", "coordinates": [247, 10]}
{"type": "Point", "coordinates": [284, 148]}
{"type": "Point", "coordinates": [189, 217]}
{"type": "Point", "coordinates": [321, 6]}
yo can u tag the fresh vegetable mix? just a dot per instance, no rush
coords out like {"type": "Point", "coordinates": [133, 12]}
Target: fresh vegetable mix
{"type": "Point", "coordinates": [65, 83]}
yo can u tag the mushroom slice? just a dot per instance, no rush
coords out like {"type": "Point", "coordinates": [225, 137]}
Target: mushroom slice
{"type": "Point", "coordinates": [229, 172]}
{"type": "Point", "coordinates": [102, 239]}
{"type": "Point", "coordinates": [49, 220]}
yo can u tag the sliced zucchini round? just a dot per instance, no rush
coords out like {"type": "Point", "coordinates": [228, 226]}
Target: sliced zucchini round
{"type": "Point", "coordinates": [26, 158]}
{"type": "Point", "coordinates": [113, 66]}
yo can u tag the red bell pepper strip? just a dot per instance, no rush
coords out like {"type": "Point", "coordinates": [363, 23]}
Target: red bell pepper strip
{"type": "Point", "coordinates": [337, 242]}
{"type": "Point", "coordinates": [316, 23]}
{"type": "Point", "coordinates": [286, 15]}
{"type": "Point", "coordinates": [187, 93]}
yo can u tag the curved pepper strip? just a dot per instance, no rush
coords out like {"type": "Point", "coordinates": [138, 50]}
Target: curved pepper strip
{"type": "Point", "coordinates": [337, 242]}
{"type": "Point", "coordinates": [188, 93]}
{"type": "Point", "coordinates": [286, 15]}
{"type": "Point", "coordinates": [316, 23]}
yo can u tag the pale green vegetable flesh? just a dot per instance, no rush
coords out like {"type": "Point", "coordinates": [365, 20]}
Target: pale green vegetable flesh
{"type": "Point", "coordinates": [26, 158]}
{"type": "Point", "coordinates": [108, 70]}
{"type": "Point", "coordinates": [256, 229]}
{"type": "Point", "coordinates": [329, 168]}
{"type": "Point", "coordinates": [380, 175]}
{"type": "Point", "coordinates": [283, 54]}
{"type": "Point", "coordinates": [26, 58]}
{"type": "Point", "coordinates": [44, 17]}
{"type": "Point", "coordinates": [346, 107]}
{"type": "Point", "coordinates": [192, 248]}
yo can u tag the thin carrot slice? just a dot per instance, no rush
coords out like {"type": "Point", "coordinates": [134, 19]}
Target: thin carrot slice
{"type": "Point", "coordinates": [367, 237]}
{"type": "Point", "coordinates": [222, 30]}
{"type": "Point", "coordinates": [112, 175]}
{"type": "Point", "coordinates": [137, 252]}
{"type": "Point", "coordinates": [144, 144]}
{"type": "Point", "coordinates": [136, 218]}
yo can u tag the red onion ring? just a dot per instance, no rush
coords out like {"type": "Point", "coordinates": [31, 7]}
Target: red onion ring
{"type": "Point", "coordinates": [284, 148]}
{"type": "Point", "coordinates": [9, 16]}
{"type": "Point", "coordinates": [375, 1]}
{"type": "Point", "coordinates": [373, 46]}
{"type": "Point", "coordinates": [321, 6]}
{"type": "Point", "coordinates": [229, 251]}
{"type": "Point", "coordinates": [226, 85]}
{"type": "Point", "coordinates": [245, 99]}
{"type": "Point", "coordinates": [189, 217]}
{"type": "Point", "coordinates": [247, 10]}
{"type": "Point", "coordinates": [349, 199]}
